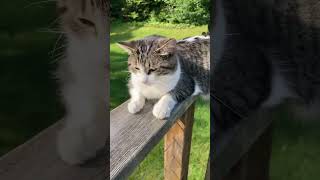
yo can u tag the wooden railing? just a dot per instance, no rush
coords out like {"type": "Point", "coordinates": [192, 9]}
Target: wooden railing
{"type": "Point", "coordinates": [132, 137]}
{"type": "Point", "coordinates": [243, 152]}
{"type": "Point", "coordinates": [37, 159]}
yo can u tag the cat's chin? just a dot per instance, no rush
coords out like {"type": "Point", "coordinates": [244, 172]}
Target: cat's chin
{"type": "Point", "coordinates": [148, 84]}
{"type": "Point", "coordinates": [141, 83]}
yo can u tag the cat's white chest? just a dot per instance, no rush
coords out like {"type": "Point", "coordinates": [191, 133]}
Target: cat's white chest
{"type": "Point", "coordinates": [153, 92]}
{"type": "Point", "coordinates": [157, 86]}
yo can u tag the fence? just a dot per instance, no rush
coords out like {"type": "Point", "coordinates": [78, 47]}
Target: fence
{"type": "Point", "coordinates": [241, 153]}
{"type": "Point", "coordinates": [133, 137]}
{"type": "Point", "coordinates": [37, 159]}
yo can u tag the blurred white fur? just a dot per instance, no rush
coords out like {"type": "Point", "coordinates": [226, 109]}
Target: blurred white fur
{"type": "Point", "coordinates": [83, 87]}
{"type": "Point", "coordinates": [153, 87]}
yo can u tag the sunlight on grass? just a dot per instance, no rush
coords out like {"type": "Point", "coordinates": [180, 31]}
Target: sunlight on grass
{"type": "Point", "coordinates": [152, 166]}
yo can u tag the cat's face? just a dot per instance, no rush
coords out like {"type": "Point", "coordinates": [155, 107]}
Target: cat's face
{"type": "Point", "coordinates": [83, 18]}
{"type": "Point", "coordinates": [151, 59]}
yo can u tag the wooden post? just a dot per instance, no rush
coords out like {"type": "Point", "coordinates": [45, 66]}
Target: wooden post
{"type": "Point", "coordinates": [177, 144]}
{"type": "Point", "coordinates": [255, 163]}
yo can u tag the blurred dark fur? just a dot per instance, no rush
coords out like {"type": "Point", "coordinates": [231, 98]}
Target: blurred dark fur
{"type": "Point", "coordinates": [259, 35]}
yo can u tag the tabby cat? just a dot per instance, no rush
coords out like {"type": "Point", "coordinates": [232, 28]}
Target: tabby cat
{"type": "Point", "coordinates": [166, 69]}
{"type": "Point", "coordinates": [266, 53]}
{"type": "Point", "coordinates": [83, 78]}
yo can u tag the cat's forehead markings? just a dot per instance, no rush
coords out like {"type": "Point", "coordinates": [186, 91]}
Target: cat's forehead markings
{"type": "Point", "coordinates": [145, 46]}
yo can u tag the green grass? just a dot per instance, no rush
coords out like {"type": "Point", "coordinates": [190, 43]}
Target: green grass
{"type": "Point", "coordinates": [152, 166]}
{"type": "Point", "coordinates": [296, 148]}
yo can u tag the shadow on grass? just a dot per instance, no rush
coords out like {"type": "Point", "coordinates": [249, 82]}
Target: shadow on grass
{"type": "Point", "coordinates": [119, 73]}
{"type": "Point", "coordinates": [123, 31]}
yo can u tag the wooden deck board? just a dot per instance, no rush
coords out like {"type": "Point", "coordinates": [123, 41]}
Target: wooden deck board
{"type": "Point", "coordinates": [37, 159]}
{"type": "Point", "coordinates": [132, 136]}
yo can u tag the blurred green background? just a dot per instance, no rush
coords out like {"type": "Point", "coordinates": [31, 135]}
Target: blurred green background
{"type": "Point", "coordinates": [29, 100]}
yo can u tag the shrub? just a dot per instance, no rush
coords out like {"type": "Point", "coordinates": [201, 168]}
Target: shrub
{"type": "Point", "coordinates": [184, 11]}
{"type": "Point", "coordinates": [172, 11]}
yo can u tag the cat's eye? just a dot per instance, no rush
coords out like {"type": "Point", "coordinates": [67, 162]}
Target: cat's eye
{"type": "Point", "coordinates": [150, 71]}
{"type": "Point", "coordinates": [86, 22]}
{"type": "Point", "coordinates": [137, 68]}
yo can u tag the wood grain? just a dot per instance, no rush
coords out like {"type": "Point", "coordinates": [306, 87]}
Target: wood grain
{"type": "Point", "coordinates": [38, 160]}
{"type": "Point", "coordinates": [132, 136]}
{"type": "Point", "coordinates": [177, 144]}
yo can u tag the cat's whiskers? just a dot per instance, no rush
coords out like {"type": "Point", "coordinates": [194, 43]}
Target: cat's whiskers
{"type": "Point", "coordinates": [55, 48]}
{"type": "Point", "coordinates": [58, 55]}
{"type": "Point", "coordinates": [52, 31]}
{"type": "Point", "coordinates": [128, 77]}
{"type": "Point", "coordinates": [39, 3]}
{"type": "Point", "coordinates": [53, 23]}
{"type": "Point", "coordinates": [61, 57]}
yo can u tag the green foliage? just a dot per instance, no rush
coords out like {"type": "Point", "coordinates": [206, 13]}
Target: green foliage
{"type": "Point", "coordinates": [184, 11]}
{"type": "Point", "coordinates": [19, 16]}
{"type": "Point", "coordinates": [194, 12]}
{"type": "Point", "coordinates": [116, 8]}
{"type": "Point", "coordinates": [140, 10]}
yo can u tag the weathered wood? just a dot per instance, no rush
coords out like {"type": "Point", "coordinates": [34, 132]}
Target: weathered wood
{"type": "Point", "coordinates": [38, 160]}
{"type": "Point", "coordinates": [177, 144]}
{"type": "Point", "coordinates": [231, 146]}
{"type": "Point", "coordinates": [259, 156]}
{"type": "Point", "coordinates": [133, 136]}
{"type": "Point", "coordinates": [255, 163]}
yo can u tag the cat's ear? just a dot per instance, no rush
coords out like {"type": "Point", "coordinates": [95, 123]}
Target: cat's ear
{"type": "Point", "coordinates": [166, 47]}
{"type": "Point", "coordinates": [129, 46]}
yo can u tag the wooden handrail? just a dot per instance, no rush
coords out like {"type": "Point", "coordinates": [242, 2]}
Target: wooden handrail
{"type": "Point", "coordinates": [37, 159]}
{"type": "Point", "coordinates": [133, 136]}
{"type": "Point", "coordinates": [236, 149]}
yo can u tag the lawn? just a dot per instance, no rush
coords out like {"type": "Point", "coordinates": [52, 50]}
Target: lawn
{"type": "Point", "coordinates": [152, 166]}
{"type": "Point", "coordinates": [296, 148]}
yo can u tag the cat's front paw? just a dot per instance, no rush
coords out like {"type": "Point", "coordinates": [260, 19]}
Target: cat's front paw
{"type": "Point", "coordinates": [162, 109]}
{"type": "Point", "coordinates": [135, 106]}
{"type": "Point", "coordinates": [76, 146]}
